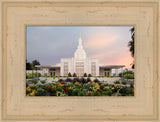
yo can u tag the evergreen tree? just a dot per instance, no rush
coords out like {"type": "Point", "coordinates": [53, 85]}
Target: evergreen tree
{"type": "Point", "coordinates": [69, 74]}
{"type": "Point", "coordinates": [85, 75]}
{"type": "Point", "coordinates": [74, 75]}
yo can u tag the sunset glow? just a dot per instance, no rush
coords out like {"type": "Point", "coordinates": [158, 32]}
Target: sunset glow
{"type": "Point", "coordinates": [107, 43]}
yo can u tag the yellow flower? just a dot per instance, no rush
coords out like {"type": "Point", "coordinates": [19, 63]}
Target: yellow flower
{"type": "Point", "coordinates": [33, 85]}
{"type": "Point", "coordinates": [97, 85]}
{"type": "Point", "coordinates": [60, 84]}
{"type": "Point", "coordinates": [28, 89]}
{"type": "Point", "coordinates": [133, 90]}
{"type": "Point", "coordinates": [34, 91]}
{"type": "Point", "coordinates": [117, 85]}
{"type": "Point", "coordinates": [32, 94]}
{"type": "Point", "coordinates": [27, 94]}
{"type": "Point", "coordinates": [80, 84]}
{"type": "Point", "coordinates": [76, 83]}
{"type": "Point", "coordinates": [70, 88]}
{"type": "Point", "coordinates": [93, 82]}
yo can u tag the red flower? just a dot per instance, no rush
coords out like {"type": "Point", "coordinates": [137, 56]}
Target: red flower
{"type": "Point", "coordinates": [130, 91]}
{"type": "Point", "coordinates": [98, 95]}
{"type": "Point", "coordinates": [89, 94]}
{"type": "Point", "coordinates": [112, 85]}
{"type": "Point", "coordinates": [90, 82]}
{"type": "Point", "coordinates": [53, 88]}
{"type": "Point", "coordinates": [65, 90]}
{"type": "Point", "coordinates": [47, 90]}
{"type": "Point", "coordinates": [102, 87]}
{"type": "Point", "coordinates": [62, 82]}
{"type": "Point", "coordinates": [49, 86]}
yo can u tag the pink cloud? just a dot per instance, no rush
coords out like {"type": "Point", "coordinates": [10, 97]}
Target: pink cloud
{"type": "Point", "coordinates": [124, 60]}
{"type": "Point", "coordinates": [105, 45]}
{"type": "Point", "coordinates": [100, 40]}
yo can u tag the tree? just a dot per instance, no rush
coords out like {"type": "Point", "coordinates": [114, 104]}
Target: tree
{"type": "Point", "coordinates": [89, 75]}
{"type": "Point", "coordinates": [85, 75]}
{"type": "Point", "coordinates": [28, 66]}
{"type": "Point", "coordinates": [74, 75]}
{"type": "Point", "coordinates": [35, 62]}
{"type": "Point", "coordinates": [131, 44]}
{"type": "Point", "coordinates": [69, 74]}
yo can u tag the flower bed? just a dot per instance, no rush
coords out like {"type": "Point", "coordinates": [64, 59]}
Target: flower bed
{"type": "Point", "coordinates": [75, 88]}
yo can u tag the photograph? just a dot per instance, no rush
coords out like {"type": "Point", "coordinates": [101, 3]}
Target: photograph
{"type": "Point", "coordinates": [80, 61]}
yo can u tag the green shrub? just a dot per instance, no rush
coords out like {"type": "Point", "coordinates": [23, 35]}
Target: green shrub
{"type": "Point", "coordinates": [129, 76]}
{"type": "Point", "coordinates": [54, 77]}
{"type": "Point", "coordinates": [85, 75]}
{"type": "Point", "coordinates": [124, 74]}
{"type": "Point", "coordinates": [108, 93]}
{"type": "Point", "coordinates": [75, 92]}
{"type": "Point", "coordinates": [69, 74]}
{"type": "Point", "coordinates": [89, 75]}
{"type": "Point", "coordinates": [117, 82]}
{"type": "Point", "coordinates": [124, 82]}
{"type": "Point", "coordinates": [74, 75]}
{"type": "Point", "coordinates": [43, 81]}
{"type": "Point", "coordinates": [34, 81]}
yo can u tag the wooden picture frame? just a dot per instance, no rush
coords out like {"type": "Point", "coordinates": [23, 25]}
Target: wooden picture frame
{"type": "Point", "coordinates": [17, 14]}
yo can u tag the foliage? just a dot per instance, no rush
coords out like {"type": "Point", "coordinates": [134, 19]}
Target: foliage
{"type": "Point", "coordinates": [125, 73]}
{"type": "Point", "coordinates": [85, 75]}
{"type": "Point", "coordinates": [129, 76]}
{"type": "Point", "coordinates": [54, 77]}
{"type": "Point", "coordinates": [33, 75]}
{"type": "Point", "coordinates": [69, 74]}
{"type": "Point", "coordinates": [31, 66]}
{"type": "Point", "coordinates": [131, 44]}
{"type": "Point", "coordinates": [124, 82]}
{"type": "Point", "coordinates": [34, 81]}
{"type": "Point", "coordinates": [117, 82]}
{"type": "Point", "coordinates": [74, 75]}
{"type": "Point", "coordinates": [35, 62]}
{"type": "Point", "coordinates": [77, 88]}
{"type": "Point", "coordinates": [43, 81]}
{"type": "Point", "coordinates": [89, 75]}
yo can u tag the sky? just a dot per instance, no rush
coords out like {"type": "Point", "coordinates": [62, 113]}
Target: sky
{"type": "Point", "coordinates": [48, 44]}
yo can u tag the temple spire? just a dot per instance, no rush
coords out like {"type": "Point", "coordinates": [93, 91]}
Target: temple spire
{"type": "Point", "coordinates": [80, 53]}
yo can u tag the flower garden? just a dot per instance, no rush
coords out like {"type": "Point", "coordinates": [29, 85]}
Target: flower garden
{"type": "Point", "coordinates": [78, 87]}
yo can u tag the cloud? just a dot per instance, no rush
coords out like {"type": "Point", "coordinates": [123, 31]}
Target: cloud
{"type": "Point", "coordinates": [49, 44]}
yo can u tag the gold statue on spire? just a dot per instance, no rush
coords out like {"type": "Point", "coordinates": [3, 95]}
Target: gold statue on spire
{"type": "Point", "coordinates": [80, 35]}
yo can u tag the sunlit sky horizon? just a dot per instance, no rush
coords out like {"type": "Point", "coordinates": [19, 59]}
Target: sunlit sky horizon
{"type": "Point", "coordinates": [48, 44]}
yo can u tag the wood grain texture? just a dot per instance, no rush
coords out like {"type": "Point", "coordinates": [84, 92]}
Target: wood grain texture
{"type": "Point", "coordinates": [16, 14]}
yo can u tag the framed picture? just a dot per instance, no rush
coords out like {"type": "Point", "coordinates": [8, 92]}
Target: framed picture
{"type": "Point", "coordinates": [80, 60]}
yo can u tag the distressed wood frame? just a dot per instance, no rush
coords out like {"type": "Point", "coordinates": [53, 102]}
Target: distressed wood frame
{"type": "Point", "coordinates": [16, 15]}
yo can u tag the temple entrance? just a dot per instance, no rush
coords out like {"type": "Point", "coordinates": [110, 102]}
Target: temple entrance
{"type": "Point", "coordinates": [106, 73]}
{"type": "Point", "coordinates": [52, 73]}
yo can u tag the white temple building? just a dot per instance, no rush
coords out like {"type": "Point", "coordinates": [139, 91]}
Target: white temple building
{"type": "Point", "coordinates": [79, 64]}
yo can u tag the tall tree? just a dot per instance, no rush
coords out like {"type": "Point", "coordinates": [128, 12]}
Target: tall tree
{"type": "Point", "coordinates": [34, 63]}
{"type": "Point", "coordinates": [131, 44]}
{"type": "Point", "coordinates": [28, 65]}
